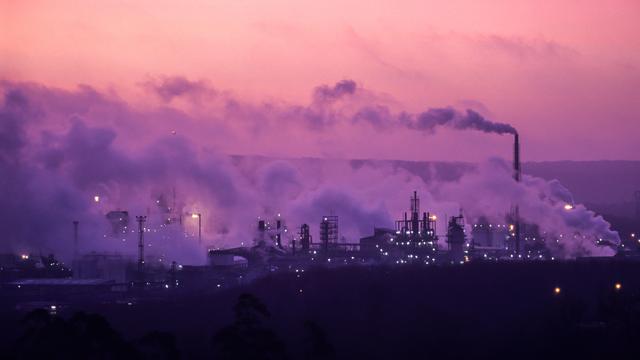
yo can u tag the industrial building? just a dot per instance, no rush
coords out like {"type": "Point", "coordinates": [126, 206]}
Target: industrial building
{"type": "Point", "coordinates": [281, 246]}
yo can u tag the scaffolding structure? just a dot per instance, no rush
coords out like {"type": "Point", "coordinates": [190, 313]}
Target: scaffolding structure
{"type": "Point", "coordinates": [328, 232]}
{"type": "Point", "coordinates": [416, 230]}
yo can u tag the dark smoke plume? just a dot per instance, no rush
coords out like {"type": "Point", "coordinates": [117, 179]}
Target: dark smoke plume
{"type": "Point", "coordinates": [381, 117]}
{"type": "Point", "coordinates": [169, 88]}
{"type": "Point", "coordinates": [326, 93]}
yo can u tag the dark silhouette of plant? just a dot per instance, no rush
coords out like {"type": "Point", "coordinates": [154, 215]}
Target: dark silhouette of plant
{"type": "Point", "coordinates": [84, 336]}
{"type": "Point", "coordinates": [158, 345]}
{"type": "Point", "coordinates": [248, 337]}
{"type": "Point", "coordinates": [319, 346]}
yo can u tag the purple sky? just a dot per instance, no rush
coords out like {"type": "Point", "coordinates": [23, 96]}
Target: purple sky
{"type": "Point", "coordinates": [564, 74]}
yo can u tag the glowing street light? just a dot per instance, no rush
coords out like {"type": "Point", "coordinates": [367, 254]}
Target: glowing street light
{"type": "Point", "coordinates": [617, 286]}
{"type": "Point", "coordinates": [557, 290]}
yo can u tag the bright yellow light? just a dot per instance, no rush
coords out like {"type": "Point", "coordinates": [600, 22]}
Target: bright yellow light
{"type": "Point", "coordinates": [568, 207]}
{"type": "Point", "coordinates": [557, 290]}
{"type": "Point", "coordinates": [511, 227]}
{"type": "Point", "coordinates": [96, 198]}
{"type": "Point", "coordinates": [433, 217]}
{"type": "Point", "coordinates": [194, 215]}
{"type": "Point", "coordinates": [618, 286]}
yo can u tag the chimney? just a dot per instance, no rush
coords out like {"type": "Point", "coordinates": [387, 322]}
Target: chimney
{"type": "Point", "coordinates": [517, 175]}
{"type": "Point", "coordinates": [517, 171]}
{"type": "Point", "coordinates": [141, 220]}
{"type": "Point", "coordinates": [75, 239]}
{"type": "Point", "coordinates": [637, 195]}
{"type": "Point", "coordinates": [278, 233]}
{"type": "Point", "coordinates": [305, 238]}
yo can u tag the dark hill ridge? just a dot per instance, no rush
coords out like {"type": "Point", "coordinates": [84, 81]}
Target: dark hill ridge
{"type": "Point", "coordinates": [476, 311]}
{"type": "Point", "coordinates": [599, 182]}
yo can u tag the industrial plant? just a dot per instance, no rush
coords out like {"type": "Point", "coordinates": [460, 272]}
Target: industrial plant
{"type": "Point", "coordinates": [277, 245]}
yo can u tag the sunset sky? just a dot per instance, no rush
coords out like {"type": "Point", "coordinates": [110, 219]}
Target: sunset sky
{"type": "Point", "coordinates": [566, 74]}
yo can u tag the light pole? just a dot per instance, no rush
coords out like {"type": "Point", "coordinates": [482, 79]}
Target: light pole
{"type": "Point", "coordinates": [199, 217]}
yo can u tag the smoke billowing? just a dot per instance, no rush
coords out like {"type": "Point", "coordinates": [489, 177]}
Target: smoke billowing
{"type": "Point", "coordinates": [325, 93]}
{"type": "Point", "coordinates": [448, 117]}
{"type": "Point", "coordinates": [76, 155]}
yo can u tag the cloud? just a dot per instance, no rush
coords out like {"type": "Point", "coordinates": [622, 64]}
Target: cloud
{"type": "Point", "coordinates": [327, 94]}
{"type": "Point", "coordinates": [168, 88]}
{"type": "Point", "coordinates": [523, 49]}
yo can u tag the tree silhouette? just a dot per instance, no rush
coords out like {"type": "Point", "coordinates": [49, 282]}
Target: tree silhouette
{"type": "Point", "coordinates": [158, 345]}
{"type": "Point", "coordinates": [248, 337]}
{"type": "Point", "coordinates": [320, 348]}
{"type": "Point", "coordinates": [84, 336]}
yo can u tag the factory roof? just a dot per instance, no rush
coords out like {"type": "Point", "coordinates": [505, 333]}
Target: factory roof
{"type": "Point", "coordinates": [61, 282]}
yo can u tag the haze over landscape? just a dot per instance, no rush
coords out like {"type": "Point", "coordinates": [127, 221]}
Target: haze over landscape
{"type": "Point", "coordinates": [319, 180]}
{"type": "Point", "coordinates": [128, 102]}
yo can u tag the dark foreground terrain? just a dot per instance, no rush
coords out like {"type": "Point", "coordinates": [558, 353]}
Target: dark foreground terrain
{"type": "Point", "coordinates": [474, 311]}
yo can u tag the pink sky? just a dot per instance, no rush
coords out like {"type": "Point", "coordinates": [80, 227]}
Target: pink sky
{"type": "Point", "coordinates": [565, 74]}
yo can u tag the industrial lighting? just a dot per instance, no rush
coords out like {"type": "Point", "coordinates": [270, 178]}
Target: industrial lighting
{"type": "Point", "coordinates": [568, 207]}
{"type": "Point", "coordinates": [557, 290]}
{"type": "Point", "coordinates": [194, 216]}
{"type": "Point", "coordinates": [96, 198]}
{"type": "Point", "coordinates": [433, 217]}
{"type": "Point", "coordinates": [617, 286]}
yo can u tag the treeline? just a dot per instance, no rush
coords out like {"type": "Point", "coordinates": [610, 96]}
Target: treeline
{"type": "Point", "coordinates": [580, 309]}
{"type": "Point", "coordinates": [90, 336]}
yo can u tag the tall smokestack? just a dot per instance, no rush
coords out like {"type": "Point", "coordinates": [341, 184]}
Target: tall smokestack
{"type": "Point", "coordinates": [517, 175]}
{"type": "Point", "coordinates": [305, 238]}
{"type": "Point", "coordinates": [141, 220]}
{"type": "Point", "coordinates": [75, 238]}
{"type": "Point", "coordinates": [278, 233]}
{"type": "Point", "coordinates": [517, 172]}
